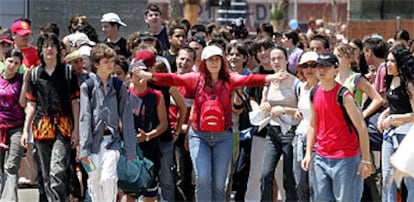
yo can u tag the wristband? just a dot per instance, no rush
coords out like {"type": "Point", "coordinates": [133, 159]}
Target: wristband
{"type": "Point", "coordinates": [147, 137]}
{"type": "Point", "coordinates": [365, 161]}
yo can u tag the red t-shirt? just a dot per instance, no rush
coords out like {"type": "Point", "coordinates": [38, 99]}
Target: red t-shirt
{"type": "Point", "coordinates": [333, 138]}
{"type": "Point", "coordinates": [30, 57]}
{"type": "Point", "coordinates": [222, 90]}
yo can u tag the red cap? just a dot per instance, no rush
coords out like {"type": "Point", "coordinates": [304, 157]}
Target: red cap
{"type": "Point", "coordinates": [6, 37]}
{"type": "Point", "coordinates": [21, 28]}
{"type": "Point", "coordinates": [147, 57]}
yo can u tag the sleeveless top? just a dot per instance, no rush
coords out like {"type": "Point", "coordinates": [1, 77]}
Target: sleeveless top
{"type": "Point", "coordinates": [283, 93]}
{"type": "Point", "coordinates": [332, 133]}
{"type": "Point", "coordinates": [351, 83]}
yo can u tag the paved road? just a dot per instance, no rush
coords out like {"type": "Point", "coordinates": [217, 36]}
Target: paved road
{"type": "Point", "coordinates": [28, 195]}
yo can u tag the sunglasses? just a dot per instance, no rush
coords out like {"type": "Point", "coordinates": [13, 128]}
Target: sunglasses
{"type": "Point", "coordinates": [306, 65]}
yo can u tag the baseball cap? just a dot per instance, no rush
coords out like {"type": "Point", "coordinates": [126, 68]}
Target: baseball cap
{"type": "Point", "coordinates": [21, 28]}
{"type": "Point", "coordinates": [147, 57]}
{"type": "Point", "coordinates": [139, 64]}
{"type": "Point", "coordinates": [328, 60]}
{"type": "Point", "coordinates": [85, 50]}
{"type": "Point", "coordinates": [6, 37]}
{"type": "Point", "coordinates": [72, 56]}
{"type": "Point", "coordinates": [308, 56]}
{"type": "Point", "coordinates": [80, 39]}
{"type": "Point", "coordinates": [210, 51]}
{"type": "Point", "coordinates": [147, 35]}
{"type": "Point", "coordinates": [112, 17]}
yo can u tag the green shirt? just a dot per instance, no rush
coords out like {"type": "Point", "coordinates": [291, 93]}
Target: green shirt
{"type": "Point", "coordinates": [22, 68]}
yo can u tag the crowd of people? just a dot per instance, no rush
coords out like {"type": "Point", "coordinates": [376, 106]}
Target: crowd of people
{"type": "Point", "coordinates": [222, 115]}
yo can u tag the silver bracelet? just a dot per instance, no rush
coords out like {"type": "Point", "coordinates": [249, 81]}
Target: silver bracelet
{"type": "Point", "coordinates": [365, 161]}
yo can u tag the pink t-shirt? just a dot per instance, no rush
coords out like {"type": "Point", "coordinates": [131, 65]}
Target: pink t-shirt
{"type": "Point", "coordinates": [222, 90]}
{"type": "Point", "coordinates": [10, 110]}
{"type": "Point", "coordinates": [333, 138]}
{"type": "Point", "coordinates": [379, 82]}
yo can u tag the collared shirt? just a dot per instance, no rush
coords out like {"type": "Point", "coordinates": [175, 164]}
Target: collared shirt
{"type": "Point", "coordinates": [100, 110]}
{"type": "Point", "coordinates": [53, 95]}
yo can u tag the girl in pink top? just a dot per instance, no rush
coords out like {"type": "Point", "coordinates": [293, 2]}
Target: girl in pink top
{"type": "Point", "coordinates": [210, 151]}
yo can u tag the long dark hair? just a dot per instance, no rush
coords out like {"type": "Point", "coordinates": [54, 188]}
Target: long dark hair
{"type": "Point", "coordinates": [224, 73]}
{"type": "Point", "coordinates": [405, 65]}
{"type": "Point", "coordinates": [40, 42]}
{"type": "Point", "coordinates": [14, 53]}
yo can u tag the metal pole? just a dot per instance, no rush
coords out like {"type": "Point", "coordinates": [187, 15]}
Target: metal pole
{"type": "Point", "coordinates": [398, 22]}
{"type": "Point", "coordinates": [295, 10]}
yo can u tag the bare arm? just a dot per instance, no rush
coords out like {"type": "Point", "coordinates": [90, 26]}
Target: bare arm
{"type": "Point", "coordinates": [75, 114]}
{"type": "Point", "coordinates": [30, 112]}
{"type": "Point", "coordinates": [356, 117]}
{"type": "Point", "coordinates": [310, 140]}
{"type": "Point", "coordinates": [161, 127]}
{"type": "Point", "coordinates": [376, 98]}
{"type": "Point", "coordinates": [22, 97]}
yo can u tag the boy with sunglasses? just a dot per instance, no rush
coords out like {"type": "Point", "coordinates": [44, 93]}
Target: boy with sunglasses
{"type": "Point", "coordinates": [342, 155]}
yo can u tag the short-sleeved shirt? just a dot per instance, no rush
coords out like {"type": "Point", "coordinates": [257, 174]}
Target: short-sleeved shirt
{"type": "Point", "coordinates": [10, 110]}
{"type": "Point", "coordinates": [30, 57]}
{"type": "Point", "coordinates": [53, 95]}
{"type": "Point", "coordinates": [121, 43]}
{"type": "Point", "coordinates": [379, 82]}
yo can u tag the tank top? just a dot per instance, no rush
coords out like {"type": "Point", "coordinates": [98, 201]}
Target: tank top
{"type": "Point", "coordinates": [332, 133]}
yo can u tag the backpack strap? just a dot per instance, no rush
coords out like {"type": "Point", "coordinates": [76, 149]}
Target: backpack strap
{"type": "Point", "coordinates": [340, 99]}
{"type": "Point", "coordinates": [68, 72]}
{"type": "Point", "coordinates": [117, 85]}
{"type": "Point", "coordinates": [297, 88]}
{"type": "Point", "coordinates": [91, 84]}
{"type": "Point", "coordinates": [356, 80]}
{"type": "Point", "coordinates": [34, 76]}
{"type": "Point", "coordinates": [312, 93]}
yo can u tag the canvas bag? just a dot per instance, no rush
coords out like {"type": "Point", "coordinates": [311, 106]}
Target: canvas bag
{"type": "Point", "coordinates": [212, 115]}
{"type": "Point", "coordinates": [134, 176]}
{"type": "Point", "coordinates": [211, 111]}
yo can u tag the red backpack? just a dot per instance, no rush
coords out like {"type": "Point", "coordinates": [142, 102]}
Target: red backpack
{"type": "Point", "coordinates": [212, 115]}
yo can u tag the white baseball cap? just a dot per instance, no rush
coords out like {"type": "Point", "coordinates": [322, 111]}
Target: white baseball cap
{"type": "Point", "coordinates": [308, 56]}
{"type": "Point", "coordinates": [112, 17]}
{"type": "Point", "coordinates": [210, 51]}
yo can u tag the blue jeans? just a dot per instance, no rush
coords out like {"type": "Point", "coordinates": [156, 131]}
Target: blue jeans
{"type": "Point", "coordinates": [166, 175]}
{"type": "Point", "coordinates": [389, 146]}
{"type": "Point", "coordinates": [336, 179]}
{"type": "Point", "coordinates": [211, 154]}
{"type": "Point", "coordinates": [276, 145]}
{"type": "Point", "coordinates": [301, 176]}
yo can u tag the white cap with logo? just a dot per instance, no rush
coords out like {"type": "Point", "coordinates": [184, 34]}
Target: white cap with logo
{"type": "Point", "coordinates": [112, 17]}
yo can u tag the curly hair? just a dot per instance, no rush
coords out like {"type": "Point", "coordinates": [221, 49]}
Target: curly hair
{"type": "Point", "coordinates": [405, 65]}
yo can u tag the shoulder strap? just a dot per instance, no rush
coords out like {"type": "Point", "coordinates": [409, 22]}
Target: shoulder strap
{"type": "Point", "coordinates": [312, 93]}
{"type": "Point", "coordinates": [297, 88]}
{"type": "Point", "coordinates": [68, 72]}
{"type": "Point", "coordinates": [117, 85]}
{"type": "Point", "coordinates": [34, 74]}
{"type": "Point", "coordinates": [356, 80]}
{"type": "Point", "coordinates": [340, 99]}
{"type": "Point", "coordinates": [91, 84]}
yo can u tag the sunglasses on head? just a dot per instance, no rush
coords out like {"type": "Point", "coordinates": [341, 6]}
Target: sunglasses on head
{"type": "Point", "coordinates": [306, 65]}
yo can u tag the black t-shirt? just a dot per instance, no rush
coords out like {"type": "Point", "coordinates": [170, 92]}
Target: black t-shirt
{"type": "Point", "coordinates": [121, 44]}
{"type": "Point", "coordinates": [171, 59]}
